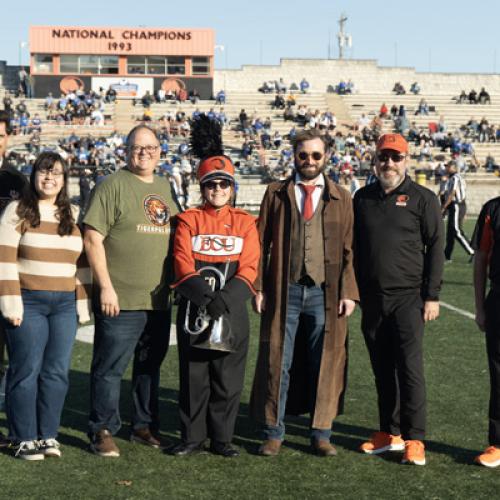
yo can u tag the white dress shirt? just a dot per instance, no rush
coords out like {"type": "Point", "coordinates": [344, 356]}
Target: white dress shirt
{"type": "Point", "coordinates": [299, 193]}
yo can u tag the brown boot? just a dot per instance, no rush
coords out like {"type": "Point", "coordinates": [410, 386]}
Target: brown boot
{"type": "Point", "coordinates": [324, 448]}
{"type": "Point", "coordinates": [270, 448]}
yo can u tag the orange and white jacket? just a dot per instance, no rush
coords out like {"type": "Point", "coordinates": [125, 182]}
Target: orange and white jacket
{"type": "Point", "coordinates": [206, 236]}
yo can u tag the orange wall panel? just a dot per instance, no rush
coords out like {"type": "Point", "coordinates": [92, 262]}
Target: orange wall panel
{"type": "Point", "coordinates": [124, 41]}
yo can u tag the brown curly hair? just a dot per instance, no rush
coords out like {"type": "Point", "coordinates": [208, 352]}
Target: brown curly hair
{"type": "Point", "coordinates": [28, 205]}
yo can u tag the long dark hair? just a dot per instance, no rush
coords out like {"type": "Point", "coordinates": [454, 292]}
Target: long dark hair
{"type": "Point", "coordinates": [28, 205]}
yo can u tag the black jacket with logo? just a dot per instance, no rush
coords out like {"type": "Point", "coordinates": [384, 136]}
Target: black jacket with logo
{"type": "Point", "coordinates": [398, 241]}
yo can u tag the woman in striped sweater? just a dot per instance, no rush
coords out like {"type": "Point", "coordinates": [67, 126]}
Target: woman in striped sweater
{"type": "Point", "coordinates": [41, 268]}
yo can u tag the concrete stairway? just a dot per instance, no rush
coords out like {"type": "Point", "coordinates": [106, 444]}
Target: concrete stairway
{"type": "Point", "coordinates": [123, 117]}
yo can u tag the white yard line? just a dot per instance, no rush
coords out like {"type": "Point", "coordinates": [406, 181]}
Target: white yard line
{"type": "Point", "coordinates": [467, 314]}
{"type": "Point", "coordinates": [86, 334]}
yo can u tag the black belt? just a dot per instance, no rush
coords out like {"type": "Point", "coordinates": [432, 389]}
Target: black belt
{"type": "Point", "coordinates": [308, 282]}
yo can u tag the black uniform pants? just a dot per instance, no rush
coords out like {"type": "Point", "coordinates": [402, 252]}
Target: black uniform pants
{"type": "Point", "coordinates": [393, 328]}
{"type": "Point", "coordinates": [456, 214]}
{"type": "Point", "coordinates": [493, 351]}
{"type": "Point", "coordinates": [210, 388]}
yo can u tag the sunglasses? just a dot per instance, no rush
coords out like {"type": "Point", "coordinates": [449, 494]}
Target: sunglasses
{"type": "Point", "coordinates": [395, 157]}
{"type": "Point", "coordinates": [315, 155]}
{"type": "Point", "coordinates": [224, 184]}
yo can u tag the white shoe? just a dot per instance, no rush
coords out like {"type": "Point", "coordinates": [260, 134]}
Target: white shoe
{"type": "Point", "coordinates": [50, 447]}
{"type": "Point", "coordinates": [27, 450]}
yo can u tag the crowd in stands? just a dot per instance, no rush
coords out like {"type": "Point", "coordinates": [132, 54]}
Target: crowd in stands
{"type": "Point", "coordinates": [176, 97]}
{"type": "Point", "coordinates": [399, 89]}
{"type": "Point", "coordinates": [76, 108]}
{"type": "Point", "coordinates": [353, 150]}
{"type": "Point", "coordinates": [20, 119]}
{"type": "Point", "coordinates": [473, 97]}
{"type": "Point", "coordinates": [344, 88]}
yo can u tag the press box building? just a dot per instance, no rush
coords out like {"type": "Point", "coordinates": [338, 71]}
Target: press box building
{"type": "Point", "coordinates": [132, 60]}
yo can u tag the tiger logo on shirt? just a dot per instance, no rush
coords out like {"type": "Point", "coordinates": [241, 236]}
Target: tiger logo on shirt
{"type": "Point", "coordinates": [156, 210]}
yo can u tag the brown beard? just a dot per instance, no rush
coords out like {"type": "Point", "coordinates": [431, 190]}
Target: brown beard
{"type": "Point", "coordinates": [308, 175]}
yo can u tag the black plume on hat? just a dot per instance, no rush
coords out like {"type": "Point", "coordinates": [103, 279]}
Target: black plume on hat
{"type": "Point", "coordinates": [206, 137]}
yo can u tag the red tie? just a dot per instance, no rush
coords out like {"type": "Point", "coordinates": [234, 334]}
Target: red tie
{"type": "Point", "coordinates": [308, 201]}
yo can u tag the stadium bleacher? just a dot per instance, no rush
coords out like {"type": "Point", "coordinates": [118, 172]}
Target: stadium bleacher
{"type": "Point", "coordinates": [373, 86]}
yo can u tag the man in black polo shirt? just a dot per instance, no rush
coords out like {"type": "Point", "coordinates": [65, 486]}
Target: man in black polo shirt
{"type": "Point", "coordinates": [487, 264]}
{"type": "Point", "coordinates": [11, 185]}
{"type": "Point", "coordinates": [399, 263]}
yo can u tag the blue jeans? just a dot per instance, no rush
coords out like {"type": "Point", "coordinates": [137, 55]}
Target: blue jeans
{"type": "Point", "coordinates": [308, 302]}
{"type": "Point", "coordinates": [143, 335]}
{"type": "Point", "coordinates": [39, 360]}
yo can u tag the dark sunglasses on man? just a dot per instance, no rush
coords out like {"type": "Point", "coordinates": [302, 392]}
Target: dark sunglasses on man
{"type": "Point", "coordinates": [393, 155]}
{"type": "Point", "coordinates": [315, 155]}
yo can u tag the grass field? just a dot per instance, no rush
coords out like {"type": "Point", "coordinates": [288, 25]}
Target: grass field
{"type": "Point", "coordinates": [457, 386]}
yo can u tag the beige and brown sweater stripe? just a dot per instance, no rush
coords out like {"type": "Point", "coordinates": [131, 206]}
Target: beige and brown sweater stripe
{"type": "Point", "coordinates": [8, 254]}
{"type": "Point", "coordinates": [48, 227]}
{"type": "Point", "coordinates": [10, 287]}
{"type": "Point", "coordinates": [53, 255]}
{"type": "Point", "coordinates": [59, 284]}
{"type": "Point", "coordinates": [39, 259]}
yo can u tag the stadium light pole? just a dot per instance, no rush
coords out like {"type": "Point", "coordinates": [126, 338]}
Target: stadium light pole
{"type": "Point", "coordinates": [222, 48]}
{"type": "Point", "coordinates": [21, 47]}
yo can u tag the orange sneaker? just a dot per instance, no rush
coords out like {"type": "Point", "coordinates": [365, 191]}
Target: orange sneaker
{"type": "Point", "coordinates": [382, 441]}
{"type": "Point", "coordinates": [490, 457]}
{"type": "Point", "coordinates": [414, 452]}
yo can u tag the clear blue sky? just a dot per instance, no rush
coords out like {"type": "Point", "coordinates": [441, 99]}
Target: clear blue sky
{"type": "Point", "coordinates": [440, 35]}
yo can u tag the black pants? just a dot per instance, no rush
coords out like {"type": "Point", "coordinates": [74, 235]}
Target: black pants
{"type": "Point", "coordinates": [393, 328]}
{"type": "Point", "coordinates": [493, 351]}
{"type": "Point", "coordinates": [210, 389]}
{"type": "Point", "coordinates": [456, 214]}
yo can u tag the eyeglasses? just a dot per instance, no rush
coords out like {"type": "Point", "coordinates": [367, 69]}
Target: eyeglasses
{"type": "Point", "coordinates": [316, 155]}
{"type": "Point", "coordinates": [150, 149]}
{"type": "Point", "coordinates": [395, 157]}
{"type": "Point", "coordinates": [224, 184]}
{"type": "Point", "coordinates": [47, 171]}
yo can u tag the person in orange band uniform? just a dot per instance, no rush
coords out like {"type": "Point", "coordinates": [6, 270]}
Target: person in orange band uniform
{"type": "Point", "coordinates": [219, 236]}
{"type": "Point", "coordinates": [487, 265]}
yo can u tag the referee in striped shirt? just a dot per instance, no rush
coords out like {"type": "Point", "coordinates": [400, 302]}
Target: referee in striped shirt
{"type": "Point", "coordinates": [454, 204]}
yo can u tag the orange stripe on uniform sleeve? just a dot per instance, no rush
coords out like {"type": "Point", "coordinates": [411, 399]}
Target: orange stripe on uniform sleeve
{"type": "Point", "coordinates": [486, 243]}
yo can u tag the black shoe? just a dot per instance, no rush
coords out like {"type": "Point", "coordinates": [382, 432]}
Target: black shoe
{"type": "Point", "coordinates": [224, 449]}
{"type": "Point", "coordinates": [184, 449]}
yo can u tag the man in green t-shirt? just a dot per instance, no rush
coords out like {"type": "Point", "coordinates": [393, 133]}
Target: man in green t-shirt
{"type": "Point", "coordinates": [127, 240]}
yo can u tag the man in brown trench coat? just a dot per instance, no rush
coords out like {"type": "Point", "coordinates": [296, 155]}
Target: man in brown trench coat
{"type": "Point", "coordinates": [306, 290]}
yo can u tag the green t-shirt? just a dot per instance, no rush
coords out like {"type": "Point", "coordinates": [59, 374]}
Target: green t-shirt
{"type": "Point", "coordinates": [135, 219]}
